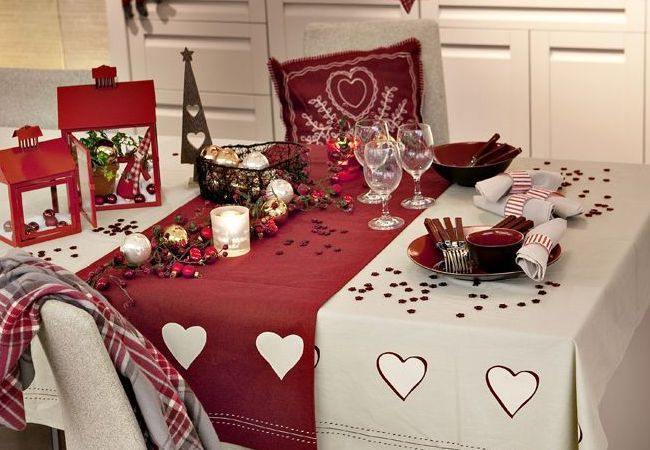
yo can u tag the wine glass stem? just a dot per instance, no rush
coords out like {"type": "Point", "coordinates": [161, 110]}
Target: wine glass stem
{"type": "Point", "coordinates": [384, 205]}
{"type": "Point", "coordinates": [416, 189]}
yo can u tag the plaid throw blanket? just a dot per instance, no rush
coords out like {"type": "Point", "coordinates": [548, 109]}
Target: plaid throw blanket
{"type": "Point", "coordinates": [25, 283]}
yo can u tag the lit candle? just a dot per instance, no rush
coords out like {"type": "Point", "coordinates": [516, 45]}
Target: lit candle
{"type": "Point", "coordinates": [230, 226]}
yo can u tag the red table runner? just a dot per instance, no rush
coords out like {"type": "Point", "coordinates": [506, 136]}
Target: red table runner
{"type": "Point", "coordinates": [255, 373]}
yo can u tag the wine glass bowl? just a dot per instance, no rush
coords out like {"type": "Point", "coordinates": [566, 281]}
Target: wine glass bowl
{"type": "Point", "coordinates": [416, 156]}
{"type": "Point", "coordinates": [383, 173]}
{"type": "Point", "coordinates": [365, 131]}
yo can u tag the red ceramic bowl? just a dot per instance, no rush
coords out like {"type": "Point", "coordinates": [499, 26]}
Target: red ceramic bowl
{"type": "Point", "coordinates": [452, 163]}
{"type": "Point", "coordinates": [493, 250]}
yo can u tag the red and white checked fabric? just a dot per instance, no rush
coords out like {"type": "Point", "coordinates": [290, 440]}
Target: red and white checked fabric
{"type": "Point", "coordinates": [540, 239]}
{"type": "Point", "coordinates": [407, 5]}
{"type": "Point", "coordinates": [515, 205]}
{"type": "Point", "coordinates": [521, 182]}
{"type": "Point", "coordinates": [140, 153]}
{"type": "Point", "coordinates": [25, 282]}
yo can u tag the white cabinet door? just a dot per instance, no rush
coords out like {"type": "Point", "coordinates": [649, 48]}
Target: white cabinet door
{"type": "Point", "coordinates": [584, 15]}
{"type": "Point", "coordinates": [486, 82]}
{"type": "Point", "coordinates": [208, 10]}
{"type": "Point", "coordinates": [287, 19]}
{"type": "Point", "coordinates": [587, 95]}
{"type": "Point", "coordinates": [229, 64]}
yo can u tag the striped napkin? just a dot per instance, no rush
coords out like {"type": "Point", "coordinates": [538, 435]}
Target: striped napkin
{"type": "Point", "coordinates": [532, 257]}
{"type": "Point", "coordinates": [518, 182]}
{"type": "Point", "coordinates": [535, 209]}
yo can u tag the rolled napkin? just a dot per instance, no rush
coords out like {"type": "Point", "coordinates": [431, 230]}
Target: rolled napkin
{"type": "Point", "coordinates": [518, 182]}
{"type": "Point", "coordinates": [532, 257]}
{"type": "Point", "coordinates": [537, 210]}
{"type": "Point", "coordinates": [562, 206]}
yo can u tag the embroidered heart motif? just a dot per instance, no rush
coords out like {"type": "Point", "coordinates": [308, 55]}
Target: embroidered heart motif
{"type": "Point", "coordinates": [282, 353]}
{"type": "Point", "coordinates": [352, 92]}
{"type": "Point", "coordinates": [193, 110]}
{"type": "Point", "coordinates": [401, 375]}
{"type": "Point", "coordinates": [196, 139]}
{"type": "Point", "coordinates": [316, 355]}
{"type": "Point", "coordinates": [184, 344]}
{"type": "Point", "coordinates": [512, 390]}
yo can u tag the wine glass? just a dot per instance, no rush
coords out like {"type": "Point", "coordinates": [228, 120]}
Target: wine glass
{"type": "Point", "coordinates": [416, 156]}
{"type": "Point", "coordinates": [383, 174]}
{"type": "Point", "coordinates": [365, 131]}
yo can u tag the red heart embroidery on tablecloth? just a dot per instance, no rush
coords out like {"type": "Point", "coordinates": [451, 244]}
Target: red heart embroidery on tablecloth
{"type": "Point", "coordinates": [401, 375]}
{"type": "Point", "coordinates": [512, 390]}
{"type": "Point", "coordinates": [353, 92]}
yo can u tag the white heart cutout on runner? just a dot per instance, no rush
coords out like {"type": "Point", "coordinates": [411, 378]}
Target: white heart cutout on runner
{"type": "Point", "coordinates": [184, 344]}
{"type": "Point", "coordinates": [353, 92]}
{"type": "Point", "coordinates": [401, 375]}
{"type": "Point", "coordinates": [282, 353]}
{"type": "Point", "coordinates": [193, 110]}
{"type": "Point", "coordinates": [196, 139]}
{"type": "Point", "coordinates": [512, 390]}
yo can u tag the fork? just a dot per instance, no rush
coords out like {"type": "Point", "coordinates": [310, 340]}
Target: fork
{"type": "Point", "coordinates": [451, 243]}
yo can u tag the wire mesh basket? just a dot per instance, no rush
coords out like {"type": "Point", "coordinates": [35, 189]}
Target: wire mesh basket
{"type": "Point", "coordinates": [238, 185]}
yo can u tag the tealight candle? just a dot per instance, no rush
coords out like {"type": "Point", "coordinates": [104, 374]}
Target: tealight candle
{"type": "Point", "coordinates": [230, 226]}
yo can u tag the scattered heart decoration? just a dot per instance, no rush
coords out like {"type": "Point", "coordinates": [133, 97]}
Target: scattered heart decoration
{"type": "Point", "coordinates": [512, 390]}
{"type": "Point", "coordinates": [282, 353]}
{"type": "Point", "coordinates": [353, 92]}
{"type": "Point", "coordinates": [184, 344]}
{"type": "Point", "coordinates": [196, 139]}
{"type": "Point", "coordinates": [401, 375]}
{"type": "Point", "coordinates": [193, 110]}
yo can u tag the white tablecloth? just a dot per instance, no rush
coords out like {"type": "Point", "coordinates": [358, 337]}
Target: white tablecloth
{"type": "Point", "coordinates": [422, 379]}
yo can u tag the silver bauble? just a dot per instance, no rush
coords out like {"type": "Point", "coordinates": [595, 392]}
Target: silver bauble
{"type": "Point", "coordinates": [281, 189]}
{"type": "Point", "coordinates": [136, 249]}
{"type": "Point", "coordinates": [255, 160]}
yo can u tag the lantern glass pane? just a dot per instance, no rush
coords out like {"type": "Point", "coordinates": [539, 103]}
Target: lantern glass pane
{"type": "Point", "coordinates": [45, 209]}
{"type": "Point", "coordinates": [6, 228]}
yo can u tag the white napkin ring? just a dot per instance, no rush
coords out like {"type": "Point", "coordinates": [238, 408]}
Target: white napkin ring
{"type": "Point", "coordinates": [540, 239]}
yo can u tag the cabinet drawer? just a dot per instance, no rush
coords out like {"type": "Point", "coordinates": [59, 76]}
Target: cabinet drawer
{"type": "Point", "coordinates": [228, 116]}
{"type": "Point", "coordinates": [593, 15]}
{"type": "Point", "coordinates": [228, 57]}
{"type": "Point", "coordinates": [207, 11]}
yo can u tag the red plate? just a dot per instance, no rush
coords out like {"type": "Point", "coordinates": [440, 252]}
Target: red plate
{"type": "Point", "coordinates": [424, 253]}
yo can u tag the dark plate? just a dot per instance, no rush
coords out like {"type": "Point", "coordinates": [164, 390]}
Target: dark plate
{"type": "Point", "coordinates": [424, 253]}
{"type": "Point", "coordinates": [452, 163]}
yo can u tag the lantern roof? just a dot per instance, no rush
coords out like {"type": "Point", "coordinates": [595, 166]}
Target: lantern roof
{"type": "Point", "coordinates": [47, 159]}
{"type": "Point", "coordinates": [107, 103]}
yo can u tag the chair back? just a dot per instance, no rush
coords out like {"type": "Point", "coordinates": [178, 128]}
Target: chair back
{"type": "Point", "coordinates": [95, 409]}
{"type": "Point", "coordinates": [28, 96]}
{"type": "Point", "coordinates": [320, 38]}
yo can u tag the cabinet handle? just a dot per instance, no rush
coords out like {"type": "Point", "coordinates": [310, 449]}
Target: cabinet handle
{"type": "Point", "coordinates": [485, 51]}
{"type": "Point", "coordinates": [594, 55]}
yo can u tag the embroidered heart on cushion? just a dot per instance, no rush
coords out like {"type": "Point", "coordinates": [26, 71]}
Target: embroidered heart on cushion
{"type": "Point", "coordinates": [353, 92]}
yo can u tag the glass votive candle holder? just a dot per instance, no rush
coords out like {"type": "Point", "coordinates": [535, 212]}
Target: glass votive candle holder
{"type": "Point", "coordinates": [230, 226]}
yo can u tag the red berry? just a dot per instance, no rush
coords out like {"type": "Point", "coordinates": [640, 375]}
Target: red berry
{"type": "Point", "coordinates": [62, 223]}
{"type": "Point", "coordinates": [99, 199]}
{"type": "Point", "coordinates": [102, 284]}
{"type": "Point", "coordinates": [118, 258]}
{"type": "Point", "coordinates": [206, 233]}
{"type": "Point", "coordinates": [139, 198]}
{"type": "Point", "coordinates": [129, 274]}
{"type": "Point", "coordinates": [151, 189]}
{"type": "Point", "coordinates": [195, 254]}
{"type": "Point", "coordinates": [111, 199]}
{"type": "Point", "coordinates": [210, 254]}
{"type": "Point", "coordinates": [189, 272]}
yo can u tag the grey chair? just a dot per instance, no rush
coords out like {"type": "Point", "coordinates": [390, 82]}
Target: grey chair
{"type": "Point", "coordinates": [322, 38]}
{"type": "Point", "coordinates": [28, 96]}
{"type": "Point", "coordinates": [95, 409]}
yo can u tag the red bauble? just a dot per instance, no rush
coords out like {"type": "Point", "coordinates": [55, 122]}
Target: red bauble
{"type": "Point", "coordinates": [118, 258]}
{"type": "Point", "coordinates": [206, 233]}
{"type": "Point", "coordinates": [111, 199]}
{"type": "Point", "coordinates": [195, 254]}
{"type": "Point", "coordinates": [210, 254]}
{"type": "Point", "coordinates": [139, 198]}
{"type": "Point", "coordinates": [176, 269]}
{"type": "Point", "coordinates": [151, 189]}
{"type": "Point", "coordinates": [99, 199]}
{"type": "Point", "coordinates": [50, 218]}
{"type": "Point", "coordinates": [189, 272]}
{"type": "Point", "coordinates": [62, 223]}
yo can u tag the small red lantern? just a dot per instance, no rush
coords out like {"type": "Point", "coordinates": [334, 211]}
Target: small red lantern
{"type": "Point", "coordinates": [40, 181]}
{"type": "Point", "coordinates": [120, 107]}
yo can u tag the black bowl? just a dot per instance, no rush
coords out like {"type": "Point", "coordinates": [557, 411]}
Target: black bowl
{"type": "Point", "coordinates": [452, 163]}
